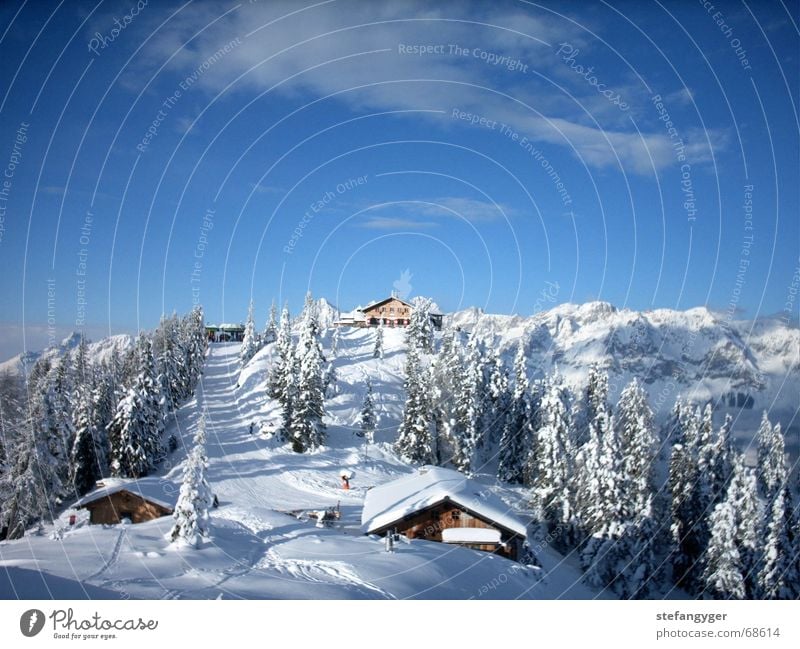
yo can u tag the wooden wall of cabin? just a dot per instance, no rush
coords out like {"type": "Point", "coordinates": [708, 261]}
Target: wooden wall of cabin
{"type": "Point", "coordinates": [111, 509]}
{"type": "Point", "coordinates": [429, 524]}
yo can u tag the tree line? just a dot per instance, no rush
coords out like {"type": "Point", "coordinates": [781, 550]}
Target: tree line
{"type": "Point", "coordinates": [73, 419]}
{"type": "Point", "coordinates": [644, 509]}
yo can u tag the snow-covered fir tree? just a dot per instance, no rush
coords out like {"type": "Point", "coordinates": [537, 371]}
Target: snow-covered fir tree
{"type": "Point", "coordinates": [552, 465]}
{"type": "Point", "coordinates": [515, 443]}
{"type": "Point", "coordinates": [639, 449]}
{"type": "Point", "coordinates": [191, 511]}
{"type": "Point", "coordinates": [377, 350]}
{"type": "Point", "coordinates": [270, 334]}
{"type": "Point", "coordinates": [367, 419]}
{"type": "Point", "coordinates": [250, 339]}
{"type": "Point", "coordinates": [85, 465]}
{"type": "Point", "coordinates": [777, 578]}
{"type": "Point", "coordinates": [771, 458]}
{"type": "Point", "coordinates": [722, 574]}
{"type": "Point", "coordinates": [415, 441]}
{"type": "Point", "coordinates": [307, 430]}
{"type": "Point", "coordinates": [495, 407]}
{"type": "Point", "coordinates": [33, 486]}
{"type": "Point", "coordinates": [419, 332]}
{"type": "Point", "coordinates": [447, 371]}
{"type": "Point", "coordinates": [742, 495]}
{"type": "Point", "coordinates": [137, 426]}
{"type": "Point", "coordinates": [282, 367]}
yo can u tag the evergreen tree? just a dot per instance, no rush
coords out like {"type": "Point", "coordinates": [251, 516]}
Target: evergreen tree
{"type": "Point", "coordinates": [771, 459]}
{"type": "Point", "coordinates": [776, 576]}
{"type": "Point", "coordinates": [368, 420]}
{"type": "Point", "coordinates": [515, 443]}
{"type": "Point", "coordinates": [33, 485]}
{"type": "Point", "coordinates": [722, 575]}
{"type": "Point", "coordinates": [415, 441]}
{"type": "Point", "coordinates": [638, 447]}
{"type": "Point", "coordinates": [250, 339]}
{"type": "Point", "coordinates": [191, 511]}
{"type": "Point", "coordinates": [722, 460]}
{"type": "Point", "coordinates": [448, 373]}
{"type": "Point", "coordinates": [553, 464]}
{"type": "Point", "coordinates": [742, 495]}
{"type": "Point", "coordinates": [419, 333]}
{"type": "Point", "coordinates": [282, 367]}
{"type": "Point", "coordinates": [307, 430]}
{"type": "Point", "coordinates": [85, 465]}
{"type": "Point", "coordinates": [377, 350]}
{"type": "Point", "coordinates": [270, 334]}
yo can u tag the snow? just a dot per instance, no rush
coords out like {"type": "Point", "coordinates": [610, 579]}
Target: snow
{"type": "Point", "coordinates": [470, 535]}
{"type": "Point", "coordinates": [157, 490]}
{"type": "Point", "coordinates": [428, 486]}
{"type": "Point", "coordinates": [262, 544]}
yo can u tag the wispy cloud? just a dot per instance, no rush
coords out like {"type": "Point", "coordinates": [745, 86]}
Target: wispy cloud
{"type": "Point", "coordinates": [393, 223]}
{"type": "Point", "coordinates": [325, 50]}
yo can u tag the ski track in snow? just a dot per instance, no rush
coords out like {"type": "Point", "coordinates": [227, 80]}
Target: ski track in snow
{"type": "Point", "coordinates": [113, 557]}
{"type": "Point", "coordinates": [321, 572]}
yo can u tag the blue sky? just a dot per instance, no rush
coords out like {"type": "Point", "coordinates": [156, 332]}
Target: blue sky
{"type": "Point", "coordinates": [478, 153]}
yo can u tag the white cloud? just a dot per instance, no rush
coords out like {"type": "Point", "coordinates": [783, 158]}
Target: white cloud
{"type": "Point", "coordinates": [350, 50]}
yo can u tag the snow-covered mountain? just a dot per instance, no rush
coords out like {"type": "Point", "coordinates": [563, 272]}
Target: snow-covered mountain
{"type": "Point", "coordinates": [743, 367]}
{"type": "Point", "coordinates": [98, 352]}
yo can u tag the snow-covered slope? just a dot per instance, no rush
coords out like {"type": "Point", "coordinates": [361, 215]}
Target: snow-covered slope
{"type": "Point", "coordinates": [263, 545]}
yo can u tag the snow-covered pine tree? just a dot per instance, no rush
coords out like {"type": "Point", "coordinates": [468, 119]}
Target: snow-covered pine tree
{"type": "Point", "coordinates": [191, 511]}
{"type": "Point", "coordinates": [270, 334]}
{"type": "Point", "coordinates": [419, 333]}
{"type": "Point", "coordinates": [515, 443]}
{"type": "Point", "coordinates": [367, 420]}
{"type": "Point", "coordinates": [34, 483]}
{"type": "Point", "coordinates": [639, 448]}
{"type": "Point", "coordinates": [495, 406]}
{"type": "Point", "coordinates": [742, 495]}
{"type": "Point", "coordinates": [137, 426]}
{"type": "Point", "coordinates": [776, 576]}
{"type": "Point", "coordinates": [307, 430]}
{"type": "Point", "coordinates": [204, 489]}
{"type": "Point", "coordinates": [552, 469]}
{"type": "Point", "coordinates": [85, 466]}
{"type": "Point", "coordinates": [282, 366]}
{"type": "Point", "coordinates": [722, 574]}
{"type": "Point", "coordinates": [377, 350]}
{"type": "Point", "coordinates": [469, 406]}
{"type": "Point", "coordinates": [330, 381]}
{"type": "Point", "coordinates": [250, 339]}
{"type": "Point", "coordinates": [415, 442]}
{"type": "Point", "coordinates": [686, 517]}
{"type": "Point", "coordinates": [722, 460]}
{"type": "Point", "coordinates": [771, 470]}
{"type": "Point", "coordinates": [447, 371]}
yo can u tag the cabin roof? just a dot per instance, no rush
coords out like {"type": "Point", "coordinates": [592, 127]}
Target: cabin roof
{"type": "Point", "coordinates": [158, 491]}
{"type": "Point", "coordinates": [392, 501]}
{"type": "Point", "coordinates": [372, 305]}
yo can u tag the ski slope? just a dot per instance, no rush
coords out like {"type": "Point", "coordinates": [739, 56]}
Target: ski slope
{"type": "Point", "coordinates": [262, 545]}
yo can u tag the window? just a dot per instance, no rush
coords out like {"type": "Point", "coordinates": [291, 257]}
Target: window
{"type": "Point", "coordinates": [455, 515]}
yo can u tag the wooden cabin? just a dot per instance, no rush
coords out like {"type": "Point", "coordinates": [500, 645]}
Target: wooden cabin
{"type": "Point", "coordinates": [442, 505]}
{"type": "Point", "coordinates": [389, 312]}
{"type": "Point", "coordinates": [225, 333]}
{"type": "Point", "coordinates": [137, 500]}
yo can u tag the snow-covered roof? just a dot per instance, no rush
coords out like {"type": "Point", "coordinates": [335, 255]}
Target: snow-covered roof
{"type": "Point", "coordinates": [428, 486]}
{"type": "Point", "coordinates": [155, 490]}
{"type": "Point", "coordinates": [226, 325]}
{"type": "Point", "coordinates": [470, 535]}
{"type": "Point", "coordinates": [372, 305]}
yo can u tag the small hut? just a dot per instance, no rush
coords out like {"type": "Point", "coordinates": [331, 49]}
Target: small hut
{"type": "Point", "coordinates": [140, 500]}
{"type": "Point", "coordinates": [438, 504]}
